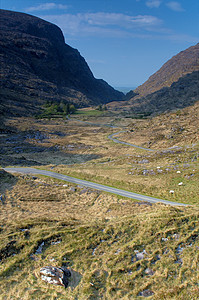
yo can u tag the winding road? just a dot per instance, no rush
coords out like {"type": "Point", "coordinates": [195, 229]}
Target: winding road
{"type": "Point", "coordinates": [92, 185]}
{"type": "Point", "coordinates": [125, 143]}
{"type": "Point", "coordinates": [110, 137]}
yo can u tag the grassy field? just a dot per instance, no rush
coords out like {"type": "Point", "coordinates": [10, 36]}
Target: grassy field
{"type": "Point", "coordinates": [97, 237]}
{"type": "Point", "coordinates": [116, 248]}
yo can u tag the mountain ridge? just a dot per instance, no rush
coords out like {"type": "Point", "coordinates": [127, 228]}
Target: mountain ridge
{"type": "Point", "coordinates": [37, 65]}
{"type": "Point", "coordinates": [181, 64]}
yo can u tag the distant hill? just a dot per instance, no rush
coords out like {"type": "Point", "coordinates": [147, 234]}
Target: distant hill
{"type": "Point", "coordinates": [178, 66]}
{"type": "Point", "coordinates": [180, 94]}
{"type": "Point", "coordinates": [37, 65]}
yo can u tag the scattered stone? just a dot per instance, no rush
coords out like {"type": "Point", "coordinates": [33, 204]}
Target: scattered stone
{"type": "Point", "coordinates": [164, 239]}
{"type": "Point", "coordinates": [179, 250]}
{"type": "Point", "coordinates": [180, 183]}
{"type": "Point", "coordinates": [149, 271]}
{"type": "Point", "coordinates": [144, 161]}
{"type": "Point", "coordinates": [118, 251]}
{"type": "Point", "coordinates": [83, 191]}
{"type": "Point", "coordinates": [55, 243]}
{"type": "Point", "coordinates": [145, 172]}
{"type": "Point", "coordinates": [143, 203]}
{"type": "Point", "coordinates": [55, 275]}
{"type": "Point", "coordinates": [138, 255]}
{"type": "Point", "coordinates": [176, 236]}
{"type": "Point", "coordinates": [39, 249]}
{"type": "Point", "coordinates": [52, 259]}
{"type": "Point", "coordinates": [178, 261]}
{"type": "Point", "coordinates": [146, 293]}
{"type": "Point", "coordinates": [151, 172]}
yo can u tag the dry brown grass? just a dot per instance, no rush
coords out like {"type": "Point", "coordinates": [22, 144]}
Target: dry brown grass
{"type": "Point", "coordinates": [97, 236]}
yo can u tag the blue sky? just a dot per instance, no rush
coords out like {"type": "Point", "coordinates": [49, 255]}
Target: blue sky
{"type": "Point", "coordinates": [123, 41]}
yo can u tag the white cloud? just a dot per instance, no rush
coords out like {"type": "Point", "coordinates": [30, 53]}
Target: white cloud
{"type": "Point", "coordinates": [176, 6]}
{"type": "Point", "coordinates": [108, 24]}
{"type": "Point", "coordinates": [114, 25]}
{"type": "Point", "coordinates": [46, 6]}
{"type": "Point", "coordinates": [153, 3]}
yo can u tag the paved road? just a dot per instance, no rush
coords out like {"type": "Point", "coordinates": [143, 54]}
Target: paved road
{"type": "Point", "coordinates": [113, 134]}
{"type": "Point", "coordinates": [92, 185]}
{"type": "Point", "coordinates": [125, 143]}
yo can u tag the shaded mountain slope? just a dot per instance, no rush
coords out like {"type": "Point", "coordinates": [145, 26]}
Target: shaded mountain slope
{"type": "Point", "coordinates": [180, 94]}
{"type": "Point", "coordinates": [178, 66]}
{"type": "Point", "coordinates": [37, 65]}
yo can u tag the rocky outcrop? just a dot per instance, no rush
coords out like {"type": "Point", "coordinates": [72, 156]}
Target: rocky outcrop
{"type": "Point", "coordinates": [55, 275]}
{"type": "Point", "coordinates": [37, 65]}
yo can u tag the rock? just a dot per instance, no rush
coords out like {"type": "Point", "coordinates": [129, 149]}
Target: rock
{"type": "Point", "coordinates": [164, 239]}
{"type": "Point", "coordinates": [72, 189]}
{"type": "Point", "coordinates": [138, 255]}
{"type": "Point", "coordinates": [55, 243]}
{"type": "Point", "coordinates": [55, 275]}
{"type": "Point", "coordinates": [180, 183]}
{"type": "Point", "coordinates": [83, 191]}
{"type": "Point", "coordinates": [149, 271]}
{"type": "Point", "coordinates": [144, 161]}
{"type": "Point", "coordinates": [146, 293]}
{"type": "Point", "coordinates": [39, 249]}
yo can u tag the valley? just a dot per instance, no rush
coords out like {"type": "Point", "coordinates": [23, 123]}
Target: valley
{"type": "Point", "coordinates": [99, 194]}
{"type": "Point", "coordinates": [97, 235]}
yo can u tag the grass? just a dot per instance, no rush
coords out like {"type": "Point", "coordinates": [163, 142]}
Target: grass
{"type": "Point", "coordinates": [97, 237]}
{"type": "Point", "coordinates": [89, 113]}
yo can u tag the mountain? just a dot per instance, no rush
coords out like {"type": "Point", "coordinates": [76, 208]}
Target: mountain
{"type": "Point", "coordinates": [180, 94]}
{"type": "Point", "coordinates": [178, 66]}
{"type": "Point", "coordinates": [37, 65]}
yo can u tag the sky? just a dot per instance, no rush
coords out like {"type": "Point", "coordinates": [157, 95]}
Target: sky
{"type": "Point", "coordinates": [123, 41]}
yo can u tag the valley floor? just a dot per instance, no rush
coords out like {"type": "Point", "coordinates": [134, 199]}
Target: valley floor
{"type": "Point", "coordinates": [116, 248]}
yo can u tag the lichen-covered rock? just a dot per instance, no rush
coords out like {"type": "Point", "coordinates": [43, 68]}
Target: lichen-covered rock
{"type": "Point", "coordinates": [146, 293]}
{"type": "Point", "coordinates": [55, 275]}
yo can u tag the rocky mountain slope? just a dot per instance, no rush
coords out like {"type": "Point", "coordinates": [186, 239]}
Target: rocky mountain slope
{"type": "Point", "coordinates": [178, 66]}
{"type": "Point", "coordinates": [180, 94]}
{"type": "Point", "coordinates": [37, 65]}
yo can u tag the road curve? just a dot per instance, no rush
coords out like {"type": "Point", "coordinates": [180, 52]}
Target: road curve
{"type": "Point", "coordinates": [110, 137]}
{"type": "Point", "coordinates": [92, 185]}
{"type": "Point", "coordinates": [125, 143]}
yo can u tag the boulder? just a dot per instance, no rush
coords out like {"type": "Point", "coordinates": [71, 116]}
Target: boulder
{"type": "Point", "coordinates": [55, 275]}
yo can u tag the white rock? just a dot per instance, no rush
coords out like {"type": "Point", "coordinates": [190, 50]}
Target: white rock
{"type": "Point", "coordinates": [180, 183]}
{"type": "Point", "coordinates": [171, 192]}
{"type": "Point", "coordinates": [55, 275]}
{"type": "Point", "coordinates": [178, 172]}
